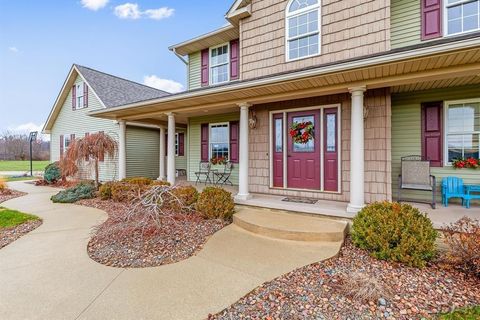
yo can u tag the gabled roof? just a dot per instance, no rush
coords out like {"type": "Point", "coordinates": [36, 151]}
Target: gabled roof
{"type": "Point", "coordinates": [110, 90]}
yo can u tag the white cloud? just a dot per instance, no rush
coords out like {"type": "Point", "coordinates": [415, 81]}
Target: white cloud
{"type": "Point", "coordinates": [163, 84]}
{"type": "Point", "coordinates": [13, 49]}
{"type": "Point", "coordinates": [160, 13]}
{"type": "Point", "coordinates": [94, 4]}
{"type": "Point", "coordinates": [128, 11]}
{"type": "Point", "coordinates": [132, 11]}
{"type": "Point", "coordinates": [28, 127]}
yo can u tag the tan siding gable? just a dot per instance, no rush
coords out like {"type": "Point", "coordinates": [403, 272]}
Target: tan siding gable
{"type": "Point", "coordinates": [78, 122]}
{"type": "Point", "coordinates": [349, 29]}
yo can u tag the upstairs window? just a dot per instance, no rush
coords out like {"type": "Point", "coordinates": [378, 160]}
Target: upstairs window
{"type": "Point", "coordinates": [462, 16]}
{"type": "Point", "coordinates": [219, 64]}
{"type": "Point", "coordinates": [303, 29]}
{"type": "Point", "coordinates": [79, 92]}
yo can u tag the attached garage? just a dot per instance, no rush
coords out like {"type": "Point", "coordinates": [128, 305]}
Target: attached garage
{"type": "Point", "coordinates": [143, 152]}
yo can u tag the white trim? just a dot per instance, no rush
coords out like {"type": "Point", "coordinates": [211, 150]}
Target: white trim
{"type": "Point", "coordinates": [322, 150]}
{"type": "Point", "coordinates": [201, 37]}
{"type": "Point", "coordinates": [210, 137]}
{"type": "Point", "coordinates": [445, 8]}
{"type": "Point", "coordinates": [446, 105]}
{"type": "Point", "coordinates": [338, 106]}
{"type": "Point", "coordinates": [289, 15]}
{"type": "Point", "coordinates": [339, 67]}
{"type": "Point", "coordinates": [177, 144]}
{"type": "Point", "coordinates": [65, 135]}
{"type": "Point", "coordinates": [210, 66]}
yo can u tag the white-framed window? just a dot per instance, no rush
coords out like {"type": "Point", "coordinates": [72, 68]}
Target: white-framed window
{"type": "Point", "coordinates": [219, 140]}
{"type": "Point", "coordinates": [219, 64]}
{"type": "Point", "coordinates": [303, 19]}
{"type": "Point", "coordinates": [176, 144]}
{"type": "Point", "coordinates": [67, 139]}
{"type": "Point", "coordinates": [462, 132]}
{"type": "Point", "coordinates": [461, 16]}
{"type": "Point", "coordinates": [79, 96]}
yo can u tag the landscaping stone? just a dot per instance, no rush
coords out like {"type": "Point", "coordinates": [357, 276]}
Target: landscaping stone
{"type": "Point", "coordinates": [10, 194]}
{"type": "Point", "coordinates": [8, 235]}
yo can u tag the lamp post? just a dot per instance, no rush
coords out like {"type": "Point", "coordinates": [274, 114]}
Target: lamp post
{"type": "Point", "coordinates": [32, 137]}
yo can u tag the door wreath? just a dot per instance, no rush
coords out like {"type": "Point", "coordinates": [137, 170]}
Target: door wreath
{"type": "Point", "coordinates": [302, 132]}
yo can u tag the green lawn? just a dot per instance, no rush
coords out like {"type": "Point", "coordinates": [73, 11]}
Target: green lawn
{"type": "Point", "coordinates": [11, 218]}
{"type": "Point", "coordinates": [11, 179]}
{"type": "Point", "coordinates": [463, 314]}
{"type": "Point", "coordinates": [22, 165]}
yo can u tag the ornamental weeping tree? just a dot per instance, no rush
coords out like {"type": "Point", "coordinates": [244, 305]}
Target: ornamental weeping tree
{"type": "Point", "coordinates": [94, 147]}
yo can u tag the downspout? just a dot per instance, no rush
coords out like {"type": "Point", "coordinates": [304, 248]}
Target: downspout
{"type": "Point", "coordinates": [187, 63]}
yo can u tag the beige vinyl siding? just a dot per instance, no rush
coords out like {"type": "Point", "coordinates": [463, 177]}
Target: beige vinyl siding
{"type": "Point", "coordinates": [405, 23]}
{"type": "Point", "coordinates": [406, 134]}
{"type": "Point", "coordinates": [194, 145]}
{"type": "Point", "coordinates": [143, 152]}
{"type": "Point", "coordinates": [78, 122]}
{"type": "Point", "coordinates": [194, 71]}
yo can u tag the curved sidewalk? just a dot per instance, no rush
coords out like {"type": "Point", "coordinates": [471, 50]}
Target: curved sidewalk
{"type": "Point", "coordinates": [47, 273]}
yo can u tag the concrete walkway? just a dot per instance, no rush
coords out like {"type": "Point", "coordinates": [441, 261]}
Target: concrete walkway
{"type": "Point", "coordinates": [47, 274]}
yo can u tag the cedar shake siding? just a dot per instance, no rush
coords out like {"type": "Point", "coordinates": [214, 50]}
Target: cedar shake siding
{"type": "Point", "coordinates": [349, 29]}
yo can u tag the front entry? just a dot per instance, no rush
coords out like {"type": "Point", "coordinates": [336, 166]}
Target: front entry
{"type": "Point", "coordinates": [303, 153]}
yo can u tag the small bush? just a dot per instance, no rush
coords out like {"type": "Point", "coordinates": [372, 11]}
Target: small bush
{"type": "Point", "coordinates": [463, 240]}
{"type": "Point", "coordinates": [3, 184]}
{"type": "Point", "coordinates": [188, 196]}
{"type": "Point", "coordinates": [105, 191]}
{"type": "Point", "coordinates": [52, 173]}
{"type": "Point", "coordinates": [216, 203]}
{"type": "Point", "coordinates": [141, 181]}
{"type": "Point", "coordinates": [71, 195]}
{"type": "Point", "coordinates": [364, 287]}
{"type": "Point", "coordinates": [160, 183]}
{"type": "Point", "coordinates": [125, 192]}
{"type": "Point", "coordinates": [395, 232]}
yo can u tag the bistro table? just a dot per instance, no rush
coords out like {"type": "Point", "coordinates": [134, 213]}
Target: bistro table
{"type": "Point", "coordinates": [473, 192]}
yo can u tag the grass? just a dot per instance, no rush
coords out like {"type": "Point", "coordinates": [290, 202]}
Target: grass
{"type": "Point", "coordinates": [22, 165]}
{"type": "Point", "coordinates": [472, 313]}
{"type": "Point", "coordinates": [12, 218]}
{"type": "Point", "coordinates": [11, 179]}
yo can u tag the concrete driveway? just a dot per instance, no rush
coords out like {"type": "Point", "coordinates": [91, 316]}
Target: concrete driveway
{"type": "Point", "coordinates": [47, 274]}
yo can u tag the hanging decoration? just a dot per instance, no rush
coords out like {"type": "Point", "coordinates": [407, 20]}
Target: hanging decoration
{"type": "Point", "coordinates": [302, 132]}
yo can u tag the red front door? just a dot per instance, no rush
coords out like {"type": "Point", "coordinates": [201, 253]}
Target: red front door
{"type": "Point", "coordinates": [303, 159]}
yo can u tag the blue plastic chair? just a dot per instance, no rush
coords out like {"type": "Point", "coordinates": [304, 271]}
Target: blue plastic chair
{"type": "Point", "coordinates": [452, 187]}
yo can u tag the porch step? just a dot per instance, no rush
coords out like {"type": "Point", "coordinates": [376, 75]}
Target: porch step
{"type": "Point", "coordinates": [289, 226]}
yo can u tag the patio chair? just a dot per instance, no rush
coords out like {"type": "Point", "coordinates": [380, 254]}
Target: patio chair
{"type": "Point", "coordinates": [223, 178]}
{"type": "Point", "coordinates": [204, 171]}
{"type": "Point", "coordinates": [453, 187]}
{"type": "Point", "coordinates": [415, 175]}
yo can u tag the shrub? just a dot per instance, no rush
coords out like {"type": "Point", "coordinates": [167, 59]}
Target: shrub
{"type": "Point", "coordinates": [160, 183]}
{"type": "Point", "coordinates": [52, 173]}
{"type": "Point", "coordinates": [188, 196]}
{"type": "Point", "coordinates": [141, 181]}
{"type": "Point", "coordinates": [395, 232]}
{"type": "Point", "coordinates": [216, 203]}
{"type": "Point", "coordinates": [364, 287]}
{"type": "Point", "coordinates": [105, 191]}
{"type": "Point", "coordinates": [125, 192]}
{"type": "Point", "coordinates": [3, 187]}
{"type": "Point", "coordinates": [71, 195]}
{"type": "Point", "coordinates": [463, 240]}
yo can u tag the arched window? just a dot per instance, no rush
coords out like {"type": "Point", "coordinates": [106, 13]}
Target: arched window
{"type": "Point", "coordinates": [302, 29]}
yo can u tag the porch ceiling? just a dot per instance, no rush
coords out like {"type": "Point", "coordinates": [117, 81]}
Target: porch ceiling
{"type": "Point", "coordinates": [434, 70]}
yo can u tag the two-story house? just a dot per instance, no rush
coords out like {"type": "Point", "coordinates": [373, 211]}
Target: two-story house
{"type": "Point", "coordinates": [321, 98]}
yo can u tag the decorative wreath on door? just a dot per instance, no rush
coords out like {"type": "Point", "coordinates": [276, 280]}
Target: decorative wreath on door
{"type": "Point", "coordinates": [302, 132]}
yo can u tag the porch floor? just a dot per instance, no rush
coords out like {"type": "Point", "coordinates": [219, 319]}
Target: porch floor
{"type": "Point", "coordinates": [440, 216]}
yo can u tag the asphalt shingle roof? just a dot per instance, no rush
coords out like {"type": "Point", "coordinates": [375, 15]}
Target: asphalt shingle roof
{"type": "Point", "coordinates": [115, 91]}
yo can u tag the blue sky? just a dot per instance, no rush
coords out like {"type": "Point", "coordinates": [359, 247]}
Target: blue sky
{"type": "Point", "coordinates": [39, 41]}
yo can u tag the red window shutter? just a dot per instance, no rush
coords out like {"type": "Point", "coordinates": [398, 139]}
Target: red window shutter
{"type": "Point", "coordinates": [101, 157]}
{"type": "Point", "coordinates": [87, 157]}
{"type": "Point", "coordinates": [72, 137]}
{"type": "Point", "coordinates": [181, 144]}
{"type": "Point", "coordinates": [234, 136]}
{"type": "Point", "coordinates": [85, 95]}
{"type": "Point", "coordinates": [166, 144]}
{"type": "Point", "coordinates": [74, 97]}
{"type": "Point", "coordinates": [431, 12]}
{"type": "Point", "coordinates": [432, 133]}
{"type": "Point", "coordinates": [204, 142]}
{"type": "Point", "coordinates": [205, 66]}
{"type": "Point", "coordinates": [61, 146]}
{"type": "Point", "coordinates": [234, 59]}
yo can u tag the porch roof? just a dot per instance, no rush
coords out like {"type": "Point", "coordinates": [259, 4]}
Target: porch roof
{"type": "Point", "coordinates": [435, 63]}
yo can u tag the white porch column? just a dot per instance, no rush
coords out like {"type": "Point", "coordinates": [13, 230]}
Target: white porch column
{"type": "Point", "coordinates": [122, 150]}
{"type": "Point", "coordinates": [171, 149]}
{"type": "Point", "coordinates": [357, 152]}
{"type": "Point", "coordinates": [161, 164]}
{"type": "Point", "coordinates": [243, 193]}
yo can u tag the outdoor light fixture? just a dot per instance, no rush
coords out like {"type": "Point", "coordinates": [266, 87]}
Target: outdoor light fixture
{"type": "Point", "coordinates": [32, 137]}
{"type": "Point", "coordinates": [252, 122]}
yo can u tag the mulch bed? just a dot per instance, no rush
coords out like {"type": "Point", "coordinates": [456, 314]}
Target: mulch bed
{"type": "Point", "coordinates": [10, 194]}
{"type": "Point", "coordinates": [316, 292]}
{"type": "Point", "coordinates": [176, 240]}
{"type": "Point", "coordinates": [8, 235]}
